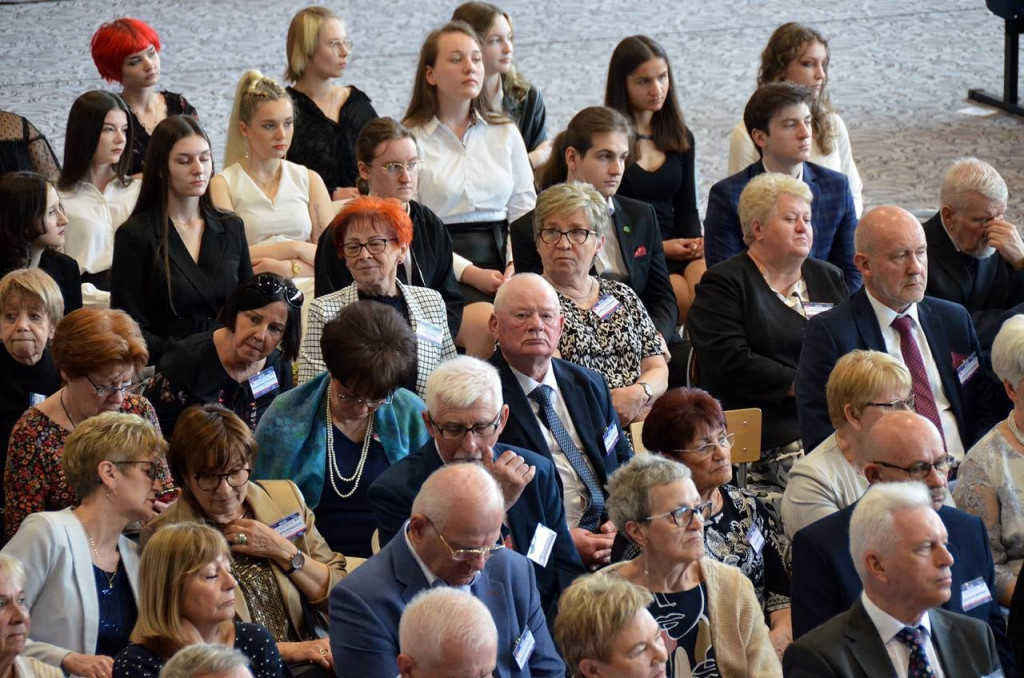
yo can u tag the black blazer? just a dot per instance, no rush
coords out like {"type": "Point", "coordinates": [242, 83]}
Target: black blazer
{"type": "Point", "coordinates": [431, 261]}
{"type": "Point", "coordinates": [64, 270]}
{"type": "Point", "coordinates": [747, 341]}
{"type": "Point", "coordinates": [138, 282]}
{"type": "Point", "coordinates": [639, 238]}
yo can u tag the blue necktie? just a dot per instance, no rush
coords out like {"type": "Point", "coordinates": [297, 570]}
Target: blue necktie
{"type": "Point", "coordinates": [591, 518]}
{"type": "Point", "coordinates": [914, 639]}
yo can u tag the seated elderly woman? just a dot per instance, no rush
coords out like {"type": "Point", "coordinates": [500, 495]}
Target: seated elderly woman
{"type": "Point", "coordinates": [747, 320]}
{"type": "Point", "coordinates": [98, 354]}
{"type": "Point", "coordinates": [687, 425]}
{"type": "Point", "coordinates": [655, 502]}
{"type": "Point", "coordinates": [207, 660]}
{"type": "Point", "coordinates": [81, 570]}
{"type": "Point", "coordinates": [336, 433]}
{"type": "Point", "coordinates": [374, 234]}
{"type": "Point", "coordinates": [863, 386]}
{"type": "Point", "coordinates": [243, 365]}
{"type": "Point", "coordinates": [14, 623]}
{"type": "Point", "coordinates": [606, 327]}
{"type": "Point", "coordinates": [991, 478]}
{"type": "Point", "coordinates": [281, 562]}
{"type": "Point", "coordinates": [604, 628]}
{"type": "Point", "coordinates": [186, 596]}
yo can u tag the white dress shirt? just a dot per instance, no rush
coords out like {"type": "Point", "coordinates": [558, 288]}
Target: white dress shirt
{"type": "Point", "coordinates": [610, 263]}
{"type": "Point", "coordinates": [92, 219]}
{"type": "Point", "coordinates": [888, 626]}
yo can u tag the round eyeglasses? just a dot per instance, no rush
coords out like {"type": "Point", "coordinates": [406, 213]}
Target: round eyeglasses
{"type": "Point", "coordinates": [209, 482]}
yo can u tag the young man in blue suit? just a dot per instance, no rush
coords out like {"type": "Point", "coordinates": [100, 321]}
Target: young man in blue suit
{"type": "Point", "coordinates": [778, 119]}
{"type": "Point", "coordinates": [451, 539]}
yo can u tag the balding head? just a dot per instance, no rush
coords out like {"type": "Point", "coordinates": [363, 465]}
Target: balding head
{"type": "Point", "coordinates": [905, 446]}
{"type": "Point", "coordinates": [527, 323]}
{"type": "Point", "coordinates": [446, 632]}
{"type": "Point", "coordinates": [892, 256]}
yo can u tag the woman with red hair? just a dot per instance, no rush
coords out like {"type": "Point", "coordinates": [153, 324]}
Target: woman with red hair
{"type": "Point", "coordinates": [373, 235]}
{"type": "Point", "coordinates": [127, 51]}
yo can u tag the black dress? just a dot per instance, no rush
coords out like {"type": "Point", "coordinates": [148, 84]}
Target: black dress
{"type": "Point", "coordinates": [176, 105]}
{"type": "Point", "coordinates": [138, 281]}
{"type": "Point", "coordinates": [65, 272]}
{"type": "Point", "coordinates": [530, 116]}
{"type": "Point", "coordinates": [326, 146]}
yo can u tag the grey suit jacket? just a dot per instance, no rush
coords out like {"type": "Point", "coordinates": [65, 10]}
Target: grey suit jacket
{"type": "Point", "coordinates": [848, 646]}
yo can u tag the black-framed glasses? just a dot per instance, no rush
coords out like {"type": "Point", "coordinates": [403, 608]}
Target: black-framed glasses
{"type": "Point", "coordinates": [395, 169]}
{"type": "Point", "coordinates": [575, 236]}
{"type": "Point", "coordinates": [131, 388]}
{"type": "Point", "coordinates": [373, 246]}
{"type": "Point", "coordinates": [271, 284]}
{"type": "Point", "coordinates": [368, 403]}
{"type": "Point", "coordinates": [209, 482]}
{"type": "Point", "coordinates": [898, 405]}
{"type": "Point", "coordinates": [463, 555]}
{"type": "Point", "coordinates": [151, 469]}
{"type": "Point", "coordinates": [724, 442]}
{"type": "Point", "coordinates": [921, 470]}
{"type": "Point", "coordinates": [682, 516]}
{"type": "Point", "coordinates": [458, 431]}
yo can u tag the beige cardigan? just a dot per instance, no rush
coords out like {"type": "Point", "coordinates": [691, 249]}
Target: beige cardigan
{"type": "Point", "coordinates": [738, 632]}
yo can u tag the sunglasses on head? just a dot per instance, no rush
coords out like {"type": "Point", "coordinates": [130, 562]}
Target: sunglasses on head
{"type": "Point", "coordinates": [271, 284]}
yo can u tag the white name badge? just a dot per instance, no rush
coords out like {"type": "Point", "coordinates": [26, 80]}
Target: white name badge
{"type": "Point", "coordinates": [524, 648]}
{"type": "Point", "coordinates": [35, 398]}
{"type": "Point", "coordinates": [610, 437]}
{"type": "Point", "coordinates": [290, 527]}
{"type": "Point", "coordinates": [263, 383]}
{"type": "Point", "coordinates": [541, 545]}
{"type": "Point", "coordinates": [967, 368]}
{"type": "Point", "coordinates": [755, 538]}
{"type": "Point", "coordinates": [605, 306]}
{"type": "Point", "coordinates": [814, 308]}
{"type": "Point", "coordinates": [974, 593]}
{"type": "Point", "coordinates": [429, 332]}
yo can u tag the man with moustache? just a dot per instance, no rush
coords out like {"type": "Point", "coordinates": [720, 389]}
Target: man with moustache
{"type": "Point", "coordinates": [898, 547]}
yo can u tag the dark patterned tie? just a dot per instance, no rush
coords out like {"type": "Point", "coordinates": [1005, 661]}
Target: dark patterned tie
{"type": "Point", "coordinates": [914, 639]}
{"type": "Point", "coordinates": [591, 518]}
{"type": "Point", "coordinates": [924, 399]}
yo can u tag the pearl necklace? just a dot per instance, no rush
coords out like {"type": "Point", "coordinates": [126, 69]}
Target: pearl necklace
{"type": "Point", "coordinates": [332, 458]}
{"type": "Point", "coordinates": [1013, 428]}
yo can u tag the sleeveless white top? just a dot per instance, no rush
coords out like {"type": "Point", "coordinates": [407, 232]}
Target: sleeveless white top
{"type": "Point", "coordinates": [286, 217]}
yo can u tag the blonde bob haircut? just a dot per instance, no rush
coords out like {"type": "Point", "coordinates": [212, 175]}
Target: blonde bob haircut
{"type": "Point", "coordinates": [33, 285]}
{"type": "Point", "coordinates": [304, 39]}
{"type": "Point", "coordinates": [591, 612]}
{"type": "Point", "coordinates": [173, 555]}
{"type": "Point", "coordinates": [564, 199]}
{"type": "Point", "coordinates": [109, 436]}
{"type": "Point", "coordinates": [761, 196]}
{"type": "Point", "coordinates": [858, 378]}
{"type": "Point", "coordinates": [253, 89]}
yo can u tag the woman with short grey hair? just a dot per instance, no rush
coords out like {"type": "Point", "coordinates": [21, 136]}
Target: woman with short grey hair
{"type": "Point", "coordinates": [207, 659]}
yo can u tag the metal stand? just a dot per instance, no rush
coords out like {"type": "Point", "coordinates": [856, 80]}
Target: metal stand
{"type": "Point", "coordinates": [1011, 56]}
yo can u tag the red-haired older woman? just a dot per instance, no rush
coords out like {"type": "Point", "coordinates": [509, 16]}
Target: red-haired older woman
{"type": "Point", "coordinates": [373, 235]}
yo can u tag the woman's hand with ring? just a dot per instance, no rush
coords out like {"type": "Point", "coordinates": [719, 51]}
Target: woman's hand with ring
{"type": "Point", "coordinates": [254, 538]}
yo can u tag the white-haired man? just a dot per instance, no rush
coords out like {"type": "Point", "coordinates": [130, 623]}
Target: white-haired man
{"type": "Point", "coordinates": [446, 632]}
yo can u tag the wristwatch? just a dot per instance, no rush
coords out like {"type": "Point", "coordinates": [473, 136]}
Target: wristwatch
{"type": "Point", "coordinates": [647, 389]}
{"type": "Point", "coordinates": [298, 561]}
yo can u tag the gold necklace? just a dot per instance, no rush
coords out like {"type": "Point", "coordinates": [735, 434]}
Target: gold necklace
{"type": "Point", "coordinates": [332, 458]}
{"type": "Point", "coordinates": [265, 185]}
{"type": "Point", "coordinates": [95, 552]}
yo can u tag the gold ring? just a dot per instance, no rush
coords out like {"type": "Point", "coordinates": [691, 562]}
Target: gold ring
{"type": "Point", "coordinates": [323, 652]}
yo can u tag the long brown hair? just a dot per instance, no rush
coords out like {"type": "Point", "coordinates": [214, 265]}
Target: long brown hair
{"type": "Point", "coordinates": [85, 124]}
{"type": "Point", "coordinates": [481, 16]}
{"type": "Point", "coordinates": [584, 126]}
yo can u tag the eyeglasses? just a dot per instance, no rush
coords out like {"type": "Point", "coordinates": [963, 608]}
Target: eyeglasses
{"type": "Point", "coordinates": [900, 404]}
{"type": "Point", "coordinates": [272, 284]}
{"type": "Point", "coordinates": [131, 388]}
{"type": "Point", "coordinates": [724, 443]}
{"type": "Point", "coordinates": [373, 246]}
{"type": "Point", "coordinates": [365, 402]}
{"type": "Point", "coordinates": [683, 516]}
{"type": "Point", "coordinates": [576, 236]}
{"type": "Point", "coordinates": [151, 469]}
{"type": "Point", "coordinates": [336, 45]}
{"type": "Point", "coordinates": [458, 431]}
{"type": "Point", "coordinates": [463, 555]}
{"type": "Point", "coordinates": [209, 482]}
{"type": "Point", "coordinates": [395, 169]}
{"type": "Point", "coordinates": [921, 470]}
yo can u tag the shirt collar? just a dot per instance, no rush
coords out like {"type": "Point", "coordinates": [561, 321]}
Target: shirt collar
{"type": "Point", "coordinates": [798, 177]}
{"type": "Point", "coordinates": [611, 205]}
{"type": "Point", "coordinates": [887, 625]}
{"type": "Point", "coordinates": [886, 315]}
{"type": "Point", "coordinates": [528, 384]}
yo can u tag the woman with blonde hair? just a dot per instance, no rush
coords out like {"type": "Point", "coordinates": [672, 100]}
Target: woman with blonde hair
{"type": "Point", "coordinates": [283, 205]}
{"type": "Point", "coordinates": [15, 627]}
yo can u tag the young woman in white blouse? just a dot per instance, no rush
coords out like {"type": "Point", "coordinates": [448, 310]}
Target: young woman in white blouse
{"type": "Point", "coordinates": [476, 174]}
{"type": "Point", "coordinates": [94, 186]}
{"type": "Point", "coordinates": [799, 54]}
{"type": "Point", "coordinates": [284, 205]}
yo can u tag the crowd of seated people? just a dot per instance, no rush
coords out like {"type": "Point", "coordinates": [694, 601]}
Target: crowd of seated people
{"type": "Point", "coordinates": [206, 467]}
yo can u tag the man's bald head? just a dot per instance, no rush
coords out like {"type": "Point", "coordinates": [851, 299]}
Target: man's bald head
{"type": "Point", "coordinates": [906, 446]}
{"type": "Point", "coordinates": [892, 256]}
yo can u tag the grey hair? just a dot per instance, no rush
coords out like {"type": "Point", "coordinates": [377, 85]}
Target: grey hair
{"type": "Point", "coordinates": [760, 198]}
{"type": "Point", "coordinates": [454, 488]}
{"type": "Point", "coordinates": [871, 526]}
{"type": "Point", "coordinates": [203, 658]}
{"type": "Point", "coordinates": [11, 568]}
{"type": "Point", "coordinates": [461, 382]}
{"type": "Point", "coordinates": [1008, 351]}
{"type": "Point", "coordinates": [970, 175]}
{"type": "Point", "coordinates": [443, 617]}
{"type": "Point", "coordinates": [629, 488]}
{"type": "Point", "coordinates": [507, 291]}
{"type": "Point", "coordinates": [564, 199]}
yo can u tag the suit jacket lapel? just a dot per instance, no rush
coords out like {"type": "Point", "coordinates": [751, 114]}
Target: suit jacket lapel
{"type": "Point", "coordinates": [407, 570]}
{"type": "Point", "coordinates": [520, 407]}
{"type": "Point", "coordinates": [211, 250]}
{"type": "Point", "coordinates": [866, 321]}
{"type": "Point", "coordinates": [626, 240]}
{"type": "Point", "coordinates": [946, 638]}
{"type": "Point", "coordinates": [865, 644]}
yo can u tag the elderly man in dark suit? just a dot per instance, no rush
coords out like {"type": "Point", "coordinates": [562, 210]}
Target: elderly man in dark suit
{"type": "Point", "coordinates": [974, 254]}
{"type": "Point", "coordinates": [778, 119]}
{"type": "Point", "coordinates": [464, 417]}
{"type": "Point", "coordinates": [934, 338]}
{"type": "Point", "coordinates": [895, 627]}
{"type": "Point", "coordinates": [561, 410]}
{"type": "Point", "coordinates": [905, 446]}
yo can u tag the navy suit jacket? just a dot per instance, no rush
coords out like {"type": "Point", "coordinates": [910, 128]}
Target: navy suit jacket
{"type": "Point", "coordinates": [825, 582]}
{"type": "Point", "coordinates": [833, 217]}
{"type": "Point", "coordinates": [853, 324]}
{"type": "Point", "coordinates": [639, 238]}
{"type": "Point", "coordinates": [367, 605]}
{"type": "Point", "coordinates": [589, 403]}
{"type": "Point", "coordinates": [392, 493]}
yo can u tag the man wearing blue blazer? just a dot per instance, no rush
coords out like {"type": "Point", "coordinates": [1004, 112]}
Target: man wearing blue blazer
{"type": "Point", "coordinates": [905, 446]}
{"type": "Point", "coordinates": [464, 417]}
{"type": "Point", "coordinates": [451, 539]}
{"type": "Point", "coordinates": [778, 119]}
